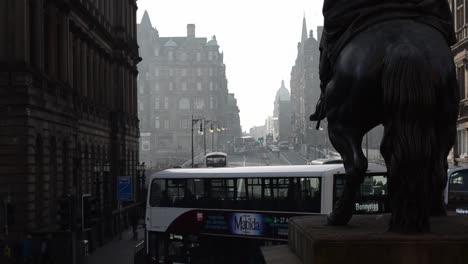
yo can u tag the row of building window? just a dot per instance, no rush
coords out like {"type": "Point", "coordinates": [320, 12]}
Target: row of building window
{"type": "Point", "coordinates": [183, 87]}
{"type": "Point", "coordinates": [182, 72]}
{"type": "Point", "coordinates": [165, 124]}
{"type": "Point", "coordinates": [183, 56]}
{"type": "Point", "coordinates": [461, 13]}
{"type": "Point", "coordinates": [184, 103]}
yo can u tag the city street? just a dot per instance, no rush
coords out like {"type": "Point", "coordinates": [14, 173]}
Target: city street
{"type": "Point", "coordinates": [288, 157]}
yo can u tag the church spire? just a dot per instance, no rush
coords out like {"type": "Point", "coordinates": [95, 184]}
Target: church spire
{"type": "Point", "coordinates": [145, 21]}
{"type": "Point", "coordinates": [304, 30]}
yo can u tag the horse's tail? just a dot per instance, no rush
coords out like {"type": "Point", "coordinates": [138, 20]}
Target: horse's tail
{"type": "Point", "coordinates": [408, 146]}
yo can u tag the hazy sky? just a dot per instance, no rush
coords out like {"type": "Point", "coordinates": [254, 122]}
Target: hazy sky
{"type": "Point", "coordinates": [258, 37]}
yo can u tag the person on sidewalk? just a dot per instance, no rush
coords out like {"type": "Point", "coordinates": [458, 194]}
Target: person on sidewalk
{"type": "Point", "coordinates": [27, 258]}
{"type": "Point", "coordinates": [134, 220]}
{"type": "Point", "coordinates": [46, 257]}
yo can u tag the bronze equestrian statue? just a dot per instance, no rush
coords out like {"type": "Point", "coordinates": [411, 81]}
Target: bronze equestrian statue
{"type": "Point", "coordinates": [389, 62]}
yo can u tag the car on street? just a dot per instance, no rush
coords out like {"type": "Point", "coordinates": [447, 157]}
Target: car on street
{"type": "Point", "coordinates": [284, 145]}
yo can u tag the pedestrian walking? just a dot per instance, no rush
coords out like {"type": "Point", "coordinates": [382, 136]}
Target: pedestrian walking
{"type": "Point", "coordinates": [46, 257]}
{"type": "Point", "coordinates": [27, 259]}
{"type": "Point", "coordinates": [134, 220]}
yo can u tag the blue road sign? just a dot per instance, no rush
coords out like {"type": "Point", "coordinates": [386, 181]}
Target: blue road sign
{"type": "Point", "coordinates": [124, 188]}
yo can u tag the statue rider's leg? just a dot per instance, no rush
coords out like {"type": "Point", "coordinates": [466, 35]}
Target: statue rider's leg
{"type": "Point", "coordinates": [325, 74]}
{"type": "Point", "coordinates": [347, 141]}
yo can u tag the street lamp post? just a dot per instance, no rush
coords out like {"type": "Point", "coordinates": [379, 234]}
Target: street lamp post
{"type": "Point", "coordinates": [107, 213]}
{"type": "Point", "coordinates": [205, 122]}
{"type": "Point", "coordinates": [97, 180]}
{"type": "Point", "coordinates": [140, 177]}
{"type": "Point", "coordinates": [97, 172]}
{"type": "Point", "coordinates": [212, 135]}
{"type": "Point", "coordinates": [194, 122]}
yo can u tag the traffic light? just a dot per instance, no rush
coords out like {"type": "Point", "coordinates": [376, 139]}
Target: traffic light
{"type": "Point", "coordinates": [64, 213]}
{"type": "Point", "coordinates": [229, 141]}
{"type": "Point", "coordinates": [260, 140]}
{"type": "Point", "coordinates": [89, 211]}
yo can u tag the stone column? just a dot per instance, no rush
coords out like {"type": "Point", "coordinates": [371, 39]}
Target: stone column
{"type": "Point", "coordinates": [90, 65]}
{"type": "Point", "coordinates": [84, 69]}
{"type": "Point", "coordinates": [76, 64]}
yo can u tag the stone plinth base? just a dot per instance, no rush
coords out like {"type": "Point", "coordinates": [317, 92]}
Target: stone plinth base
{"type": "Point", "coordinates": [365, 240]}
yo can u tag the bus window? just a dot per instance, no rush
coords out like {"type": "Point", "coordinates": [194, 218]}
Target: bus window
{"type": "Point", "coordinates": [459, 181]}
{"type": "Point", "coordinates": [254, 188]}
{"type": "Point", "coordinates": [372, 196]}
{"type": "Point", "coordinates": [221, 192]}
{"type": "Point", "coordinates": [158, 193]}
{"type": "Point", "coordinates": [458, 191]}
{"type": "Point", "coordinates": [311, 196]}
{"type": "Point", "coordinates": [267, 188]}
{"type": "Point", "coordinates": [176, 192]}
{"type": "Point", "coordinates": [281, 188]}
{"type": "Point", "coordinates": [216, 161]}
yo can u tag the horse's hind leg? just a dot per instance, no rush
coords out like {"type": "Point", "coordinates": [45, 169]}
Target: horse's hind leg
{"type": "Point", "coordinates": [347, 141]}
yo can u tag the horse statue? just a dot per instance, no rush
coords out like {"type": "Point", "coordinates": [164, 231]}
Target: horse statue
{"type": "Point", "coordinates": [395, 69]}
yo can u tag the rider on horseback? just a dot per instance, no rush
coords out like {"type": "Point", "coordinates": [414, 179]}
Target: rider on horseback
{"type": "Point", "coordinates": [343, 19]}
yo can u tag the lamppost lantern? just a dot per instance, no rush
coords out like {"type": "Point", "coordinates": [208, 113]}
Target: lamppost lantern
{"type": "Point", "coordinates": [141, 166]}
{"type": "Point", "coordinates": [194, 122]}
{"type": "Point", "coordinates": [200, 131]}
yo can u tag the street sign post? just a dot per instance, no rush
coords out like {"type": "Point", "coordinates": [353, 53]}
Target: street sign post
{"type": "Point", "coordinates": [124, 193]}
{"type": "Point", "coordinates": [125, 188]}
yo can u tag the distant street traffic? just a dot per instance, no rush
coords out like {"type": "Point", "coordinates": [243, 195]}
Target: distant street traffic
{"type": "Point", "coordinates": [288, 157]}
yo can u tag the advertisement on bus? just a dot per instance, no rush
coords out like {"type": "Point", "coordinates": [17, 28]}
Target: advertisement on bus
{"type": "Point", "coordinates": [264, 225]}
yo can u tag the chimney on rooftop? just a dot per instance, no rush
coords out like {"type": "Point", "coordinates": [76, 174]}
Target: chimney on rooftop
{"type": "Point", "coordinates": [191, 30]}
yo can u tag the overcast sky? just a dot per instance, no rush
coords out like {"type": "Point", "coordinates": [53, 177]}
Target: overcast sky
{"type": "Point", "coordinates": [258, 37]}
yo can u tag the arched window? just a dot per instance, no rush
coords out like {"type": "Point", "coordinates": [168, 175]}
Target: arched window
{"type": "Point", "coordinates": [211, 102]}
{"type": "Point", "coordinates": [199, 103]}
{"type": "Point", "coordinates": [184, 104]}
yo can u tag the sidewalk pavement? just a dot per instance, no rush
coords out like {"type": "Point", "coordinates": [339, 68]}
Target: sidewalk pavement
{"type": "Point", "coordinates": [117, 251]}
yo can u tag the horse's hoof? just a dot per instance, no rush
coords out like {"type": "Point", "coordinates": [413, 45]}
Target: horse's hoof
{"type": "Point", "coordinates": [316, 116]}
{"type": "Point", "coordinates": [335, 219]}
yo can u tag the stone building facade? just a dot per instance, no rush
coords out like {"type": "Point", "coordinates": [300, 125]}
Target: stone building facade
{"type": "Point", "coordinates": [181, 79]}
{"type": "Point", "coordinates": [68, 105]}
{"type": "Point", "coordinates": [305, 93]}
{"type": "Point", "coordinates": [460, 52]}
{"type": "Point", "coordinates": [305, 90]}
{"type": "Point", "coordinates": [282, 114]}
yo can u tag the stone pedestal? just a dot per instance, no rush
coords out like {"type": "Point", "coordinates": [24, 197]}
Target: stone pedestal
{"type": "Point", "coordinates": [365, 240]}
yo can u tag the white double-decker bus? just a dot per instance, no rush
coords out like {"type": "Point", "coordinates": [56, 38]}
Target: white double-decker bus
{"type": "Point", "coordinates": [187, 206]}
